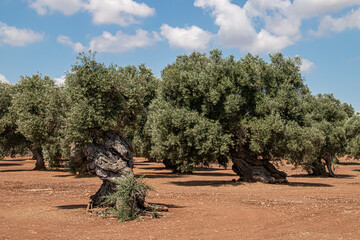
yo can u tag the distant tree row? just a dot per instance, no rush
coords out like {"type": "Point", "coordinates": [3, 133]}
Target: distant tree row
{"type": "Point", "coordinates": [203, 110]}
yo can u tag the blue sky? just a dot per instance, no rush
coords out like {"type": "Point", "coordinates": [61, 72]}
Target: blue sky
{"type": "Point", "coordinates": [46, 35]}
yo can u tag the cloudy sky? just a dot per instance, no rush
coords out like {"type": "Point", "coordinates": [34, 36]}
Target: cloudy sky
{"type": "Point", "coordinates": [45, 35]}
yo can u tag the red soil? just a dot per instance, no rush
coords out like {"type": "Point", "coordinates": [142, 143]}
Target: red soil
{"type": "Point", "coordinates": [205, 205]}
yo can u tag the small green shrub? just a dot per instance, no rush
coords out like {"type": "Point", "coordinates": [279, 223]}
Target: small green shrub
{"type": "Point", "coordinates": [123, 203]}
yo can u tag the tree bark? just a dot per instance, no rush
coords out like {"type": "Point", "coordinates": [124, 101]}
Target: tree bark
{"type": "Point", "coordinates": [328, 159]}
{"type": "Point", "coordinates": [111, 157]}
{"type": "Point", "coordinates": [251, 169]}
{"type": "Point", "coordinates": [319, 168]}
{"type": "Point", "coordinates": [40, 163]}
{"type": "Point", "coordinates": [78, 157]}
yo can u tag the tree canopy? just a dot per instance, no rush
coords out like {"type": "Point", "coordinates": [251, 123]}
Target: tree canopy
{"type": "Point", "coordinates": [37, 105]}
{"type": "Point", "coordinates": [11, 141]}
{"type": "Point", "coordinates": [210, 109]}
{"type": "Point", "coordinates": [106, 98]}
{"type": "Point", "coordinates": [205, 109]}
{"type": "Point", "coordinates": [325, 117]}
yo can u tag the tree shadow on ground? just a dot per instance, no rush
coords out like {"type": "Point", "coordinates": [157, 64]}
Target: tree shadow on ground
{"type": "Point", "coordinates": [349, 163]}
{"type": "Point", "coordinates": [32, 170]}
{"type": "Point", "coordinates": [208, 169]}
{"type": "Point", "coordinates": [205, 183]}
{"type": "Point", "coordinates": [167, 205]}
{"type": "Point", "coordinates": [71, 207]}
{"type": "Point", "coordinates": [161, 175]}
{"type": "Point", "coordinates": [141, 164]}
{"type": "Point", "coordinates": [9, 164]}
{"type": "Point", "coordinates": [85, 176]}
{"type": "Point", "coordinates": [17, 170]}
{"type": "Point", "coordinates": [153, 168]}
{"type": "Point", "coordinates": [214, 174]}
{"type": "Point", "coordinates": [14, 160]}
{"type": "Point", "coordinates": [305, 184]}
{"type": "Point", "coordinates": [63, 176]}
{"type": "Point", "coordinates": [313, 176]}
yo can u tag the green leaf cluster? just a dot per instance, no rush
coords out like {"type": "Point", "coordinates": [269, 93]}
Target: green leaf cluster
{"type": "Point", "coordinates": [204, 109]}
{"type": "Point", "coordinates": [31, 114]}
{"type": "Point", "coordinates": [352, 131]}
{"type": "Point", "coordinates": [11, 141]}
{"type": "Point", "coordinates": [107, 98]}
{"type": "Point", "coordinates": [123, 202]}
{"type": "Point", "coordinates": [38, 105]}
{"type": "Point", "coordinates": [209, 107]}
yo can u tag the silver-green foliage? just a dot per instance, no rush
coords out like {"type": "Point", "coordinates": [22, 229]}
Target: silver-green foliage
{"type": "Point", "coordinates": [106, 98]}
{"type": "Point", "coordinates": [352, 129]}
{"type": "Point", "coordinates": [123, 202]}
{"type": "Point", "coordinates": [38, 105]}
{"type": "Point", "coordinates": [211, 106]}
{"type": "Point", "coordinates": [326, 118]}
{"type": "Point", "coordinates": [11, 142]}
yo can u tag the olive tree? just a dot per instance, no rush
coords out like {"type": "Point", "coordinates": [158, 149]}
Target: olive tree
{"type": "Point", "coordinates": [352, 131]}
{"type": "Point", "coordinates": [326, 116]}
{"type": "Point", "coordinates": [140, 88]}
{"type": "Point", "coordinates": [105, 102]}
{"type": "Point", "coordinates": [37, 105]}
{"type": "Point", "coordinates": [11, 141]}
{"type": "Point", "coordinates": [210, 109]}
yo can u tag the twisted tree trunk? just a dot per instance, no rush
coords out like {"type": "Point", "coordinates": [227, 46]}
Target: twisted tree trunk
{"type": "Point", "coordinates": [318, 167]}
{"type": "Point", "coordinates": [251, 169]}
{"type": "Point", "coordinates": [38, 155]}
{"type": "Point", "coordinates": [79, 159]}
{"type": "Point", "coordinates": [111, 158]}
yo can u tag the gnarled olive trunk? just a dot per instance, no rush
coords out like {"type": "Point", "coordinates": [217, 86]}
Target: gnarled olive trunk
{"type": "Point", "coordinates": [78, 159]}
{"type": "Point", "coordinates": [111, 158]}
{"type": "Point", "coordinates": [38, 155]}
{"type": "Point", "coordinates": [251, 169]}
{"type": "Point", "coordinates": [318, 167]}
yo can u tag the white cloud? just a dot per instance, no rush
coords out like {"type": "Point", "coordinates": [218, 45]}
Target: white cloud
{"type": "Point", "coordinates": [3, 79]}
{"type": "Point", "coordinates": [266, 43]}
{"type": "Point", "coordinates": [121, 12]}
{"type": "Point", "coordinates": [280, 25]}
{"type": "Point", "coordinates": [121, 42]}
{"type": "Point", "coordinates": [283, 17]}
{"type": "Point", "coordinates": [263, 26]}
{"type": "Point", "coordinates": [330, 24]}
{"type": "Point", "coordinates": [67, 7]}
{"type": "Point", "coordinates": [60, 80]}
{"type": "Point", "coordinates": [278, 16]}
{"type": "Point", "coordinates": [307, 66]}
{"type": "Point", "coordinates": [190, 38]}
{"type": "Point", "coordinates": [77, 47]}
{"type": "Point", "coordinates": [18, 37]}
{"type": "Point", "coordinates": [311, 8]}
{"type": "Point", "coordinates": [236, 28]}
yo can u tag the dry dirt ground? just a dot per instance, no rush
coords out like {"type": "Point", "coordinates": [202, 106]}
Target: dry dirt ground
{"type": "Point", "coordinates": [205, 205]}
